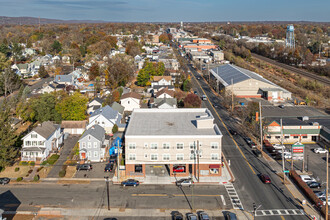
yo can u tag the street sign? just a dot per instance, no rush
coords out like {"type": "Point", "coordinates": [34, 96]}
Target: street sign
{"type": "Point", "coordinates": [286, 171]}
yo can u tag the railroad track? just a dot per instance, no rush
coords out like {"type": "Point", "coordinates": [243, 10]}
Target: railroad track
{"type": "Point", "coordinates": [294, 69]}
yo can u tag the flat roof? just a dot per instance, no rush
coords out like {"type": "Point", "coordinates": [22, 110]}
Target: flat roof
{"type": "Point", "coordinates": [170, 122]}
{"type": "Point", "coordinates": [291, 111]}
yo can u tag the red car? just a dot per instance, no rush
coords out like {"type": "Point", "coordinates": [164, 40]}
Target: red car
{"type": "Point", "coordinates": [265, 178]}
{"type": "Point", "coordinates": [179, 169]}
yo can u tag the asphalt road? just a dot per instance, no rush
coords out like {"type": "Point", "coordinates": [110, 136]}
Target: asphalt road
{"type": "Point", "coordinates": [248, 185]}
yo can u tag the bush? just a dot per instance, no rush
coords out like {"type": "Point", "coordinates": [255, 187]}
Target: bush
{"type": "Point", "coordinates": [36, 178]}
{"type": "Point", "coordinates": [16, 169]}
{"type": "Point", "coordinates": [44, 162]}
{"type": "Point", "coordinates": [23, 163]}
{"type": "Point", "coordinates": [19, 179]}
{"type": "Point", "coordinates": [40, 168]}
{"type": "Point", "coordinates": [115, 129]}
{"type": "Point", "coordinates": [32, 163]}
{"type": "Point", "coordinates": [62, 173]}
{"type": "Point", "coordinates": [30, 171]}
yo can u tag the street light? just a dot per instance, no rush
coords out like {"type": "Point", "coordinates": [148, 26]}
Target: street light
{"type": "Point", "coordinates": [108, 196]}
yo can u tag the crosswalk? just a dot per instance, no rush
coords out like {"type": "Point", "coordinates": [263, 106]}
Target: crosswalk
{"type": "Point", "coordinates": [234, 199]}
{"type": "Point", "coordinates": [279, 212]}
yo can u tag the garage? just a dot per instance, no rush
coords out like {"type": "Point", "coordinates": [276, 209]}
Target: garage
{"type": "Point", "coordinates": [73, 127]}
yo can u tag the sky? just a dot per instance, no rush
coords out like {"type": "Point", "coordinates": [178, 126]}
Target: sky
{"type": "Point", "coordinates": [170, 10]}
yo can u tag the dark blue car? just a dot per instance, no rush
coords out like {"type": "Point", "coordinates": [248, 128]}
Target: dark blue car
{"type": "Point", "coordinates": [130, 182]}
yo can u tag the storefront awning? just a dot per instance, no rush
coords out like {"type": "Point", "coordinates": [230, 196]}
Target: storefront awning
{"type": "Point", "coordinates": [214, 166]}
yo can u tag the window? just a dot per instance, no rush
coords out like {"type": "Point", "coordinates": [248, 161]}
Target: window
{"type": "Point", "coordinates": [127, 102]}
{"type": "Point", "coordinates": [89, 145]}
{"type": "Point", "coordinates": [83, 145]}
{"type": "Point", "coordinates": [88, 154]}
{"type": "Point", "coordinates": [40, 143]}
{"type": "Point", "coordinates": [95, 144]}
{"type": "Point", "coordinates": [131, 157]}
{"type": "Point", "coordinates": [154, 157]}
{"type": "Point", "coordinates": [295, 137]}
{"type": "Point", "coordinates": [268, 137]}
{"type": "Point", "coordinates": [179, 157]}
{"type": "Point", "coordinates": [166, 157]}
{"type": "Point", "coordinates": [96, 154]}
{"type": "Point", "coordinates": [34, 143]}
{"type": "Point", "coordinates": [103, 122]}
{"type": "Point", "coordinates": [131, 146]}
{"type": "Point", "coordinates": [192, 156]}
{"type": "Point", "coordinates": [166, 146]}
{"type": "Point", "coordinates": [153, 146]}
{"type": "Point", "coordinates": [89, 137]}
{"type": "Point", "coordinates": [179, 146]}
{"type": "Point", "coordinates": [34, 135]}
{"type": "Point", "coordinates": [304, 137]}
{"type": "Point", "coordinates": [214, 145]}
{"type": "Point", "coordinates": [277, 137]}
{"type": "Point", "coordinates": [287, 137]}
{"type": "Point", "coordinates": [27, 143]}
{"type": "Point", "coordinates": [214, 156]}
{"type": "Point", "coordinates": [191, 146]}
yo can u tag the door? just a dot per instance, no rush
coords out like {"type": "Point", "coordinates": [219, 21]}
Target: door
{"type": "Point", "coordinates": [83, 155]}
{"type": "Point", "coordinates": [190, 168]}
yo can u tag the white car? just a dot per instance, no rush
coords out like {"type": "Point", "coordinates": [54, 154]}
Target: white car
{"type": "Point", "coordinates": [320, 150]}
{"type": "Point", "coordinates": [286, 154]}
{"type": "Point", "coordinates": [307, 178]}
{"type": "Point", "coordinates": [278, 146]}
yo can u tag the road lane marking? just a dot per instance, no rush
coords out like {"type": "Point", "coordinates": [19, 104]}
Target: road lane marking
{"type": "Point", "coordinates": [196, 195]}
{"type": "Point", "coordinates": [223, 199]}
{"type": "Point", "coordinates": [281, 212]}
{"type": "Point", "coordinates": [208, 99]}
{"type": "Point", "coordinates": [149, 195]}
{"type": "Point", "coordinates": [282, 217]}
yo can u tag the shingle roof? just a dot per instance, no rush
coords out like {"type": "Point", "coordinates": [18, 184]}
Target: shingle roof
{"type": "Point", "coordinates": [118, 107]}
{"type": "Point", "coordinates": [96, 131]}
{"type": "Point", "coordinates": [63, 78]}
{"type": "Point", "coordinates": [131, 95]}
{"type": "Point", "coordinates": [73, 124]}
{"type": "Point", "coordinates": [158, 78]}
{"type": "Point", "coordinates": [106, 111]}
{"type": "Point", "coordinates": [229, 72]}
{"type": "Point", "coordinates": [98, 100]}
{"type": "Point", "coordinates": [46, 129]}
{"type": "Point", "coordinates": [169, 101]}
{"type": "Point", "coordinates": [22, 66]}
{"type": "Point", "coordinates": [165, 90]}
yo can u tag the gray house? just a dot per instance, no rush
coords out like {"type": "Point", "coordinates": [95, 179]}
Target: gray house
{"type": "Point", "coordinates": [92, 144]}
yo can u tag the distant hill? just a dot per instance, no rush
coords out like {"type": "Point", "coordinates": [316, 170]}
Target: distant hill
{"type": "Point", "coordinates": [32, 20]}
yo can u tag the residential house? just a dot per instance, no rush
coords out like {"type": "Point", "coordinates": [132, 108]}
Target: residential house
{"type": "Point", "coordinates": [118, 107]}
{"type": "Point", "coordinates": [162, 103]}
{"type": "Point", "coordinates": [139, 62]}
{"type": "Point", "coordinates": [96, 103]}
{"type": "Point", "coordinates": [160, 82]}
{"type": "Point", "coordinates": [23, 69]}
{"type": "Point", "coordinates": [130, 101]}
{"type": "Point", "coordinates": [171, 64]}
{"type": "Point", "coordinates": [52, 87]}
{"type": "Point", "coordinates": [41, 141]}
{"type": "Point", "coordinates": [106, 117]}
{"type": "Point", "coordinates": [92, 144]}
{"type": "Point", "coordinates": [165, 93]}
{"type": "Point", "coordinates": [73, 127]}
{"type": "Point", "coordinates": [173, 138]}
{"type": "Point", "coordinates": [65, 79]}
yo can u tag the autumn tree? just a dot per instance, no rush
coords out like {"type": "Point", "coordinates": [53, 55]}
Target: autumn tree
{"type": "Point", "coordinates": [94, 71]}
{"type": "Point", "coordinates": [73, 107]}
{"type": "Point", "coordinates": [192, 101]}
{"type": "Point", "coordinates": [111, 40]}
{"type": "Point", "coordinates": [101, 48]}
{"type": "Point", "coordinates": [56, 46]}
{"type": "Point", "coordinates": [164, 38]}
{"type": "Point", "coordinates": [120, 69]}
{"type": "Point", "coordinates": [133, 48]}
{"type": "Point", "coordinates": [9, 81]}
{"type": "Point", "coordinates": [43, 72]}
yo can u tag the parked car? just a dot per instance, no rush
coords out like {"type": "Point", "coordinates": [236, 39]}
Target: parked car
{"type": "Point", "coordinates": [231, 216]}
{"type": "Point", "coordinates": [307, 178]}
{"type": "Point", "coordinates": [87, 167]}
{"type": "Point", "coordinates": [320, 193]}
{"type": "Point", "coordinates": [248, 140]}
{"type": "Point", "coordinates": [108, 167]}
{"type": "Point", "coordinates": [179, 169]}
{"type": "Point", "coordinates": [177, 216]}
{"type": "Point", "coordinates": [195, 92]}
{"type": "Point", "coordinates": [233, 132]}
{"type": "Point", "coordinates": [320, 150]}
{"type": "Point", "coordinates": [4, 180]}
{"type": "Point", "coordinates": [253, 145]}
{"type": "Point", "coordinates": [191, 216]}
{"type": "Point", "coordinates": [265, 178]}
{"type": "Point", "coordinates": [204, 97]}
{"type": "Point", "coordinates": [279, 146]}
{"type": "Point", "coordinates": [130, 182]}
{"type": "Point", "coordinates": [314, 185]}
{"type": "Point", "coordinates": [281, 106]}
{"type": "Point", "coordinates": [203, 216]}
{"type": "Point", "coordinates": [257, 152]}
{"type": "Point", "coordinates": [184, 182]}
{"type": "Point", "coordinates": [324, 200]}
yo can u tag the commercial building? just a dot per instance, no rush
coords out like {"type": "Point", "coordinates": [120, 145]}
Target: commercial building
{"type": "Point", "coordinates": [186, 141]}
{"type": "Point", "coordinates": [246, 84]}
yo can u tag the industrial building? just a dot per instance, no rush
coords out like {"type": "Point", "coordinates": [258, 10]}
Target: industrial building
{"type": "Point", "coordinates": [245, 84]}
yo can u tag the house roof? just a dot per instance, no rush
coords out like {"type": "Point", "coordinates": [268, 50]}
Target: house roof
{"type": "Point", "coordinates": [158, 78]}
{"type": "Point", "coordinates": [171, 122]}
{"type": "Point", "coordinates": [46, 129]}
{"type": "Point", "coordinates": [131, 95]}
{"type": "Point", "coordinates": [229, 72]}
{"type": "Point", "coordinates": [106, 111]}
{"type": "Point", "coordinates": [96, 131]}
{"type": "Point", "coordinates": [22, 66]}
{"type": "Point", "coordinates": [169, 101]}
{"type": "Point", "coordinates": [63, 78]}
{"type": "Point", "coordinates": [118, 107]}
{"type": "Point", "coordinates": [163, 86]}
{"type": "Point", "coordinates": [39, 149]}
{"type": "Point", "coordinates": [55, 85]}
{"type": "Point", "coordinates": [165, 90]}
{"type": "Point", "coordinates": [98, 100]}
{"type": "Point", "coordinates": [73, 124]}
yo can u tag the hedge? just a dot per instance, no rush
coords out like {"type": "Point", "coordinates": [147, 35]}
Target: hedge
{"type": "Point", "coordinates": [32, 163]}
{"type": "Point", "coordinates": [19, 179]}
{"type": "Point", "coordinates": [23, 163]}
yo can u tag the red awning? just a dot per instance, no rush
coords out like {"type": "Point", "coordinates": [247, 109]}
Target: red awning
{"type": "Point", "coordinates": [214, 166]}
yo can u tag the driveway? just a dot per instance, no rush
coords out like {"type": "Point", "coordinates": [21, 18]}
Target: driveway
{"type": "Point", "coordinates": [69, 143]}
{"type": "Point", "coordinates": [96, 172]}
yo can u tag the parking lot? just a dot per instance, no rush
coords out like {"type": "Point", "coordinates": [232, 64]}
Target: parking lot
{"type": "Point", "coordinates": [96, 172]}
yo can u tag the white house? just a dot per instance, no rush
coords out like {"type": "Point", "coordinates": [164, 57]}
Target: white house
{"type": "Point", "coordinates": [106, 117]}
{"type": "Point", "coordinates": [42, 140]}
{"type": "Point", "coordinates": [52, 87]}
{"type": "Point", "coordinates": [94, 104]}
{"type": "Point", "coordinates": [73, 127]}
{"type": "Point", "coordinates": [161, 81]}
{"type": "Point", "coordinates": [130, 101]}
{"type": "Point", "coordinates": [165, 93]}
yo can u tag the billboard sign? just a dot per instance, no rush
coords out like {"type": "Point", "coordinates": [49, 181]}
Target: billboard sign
{"type": "Point", "coordinates": [298, 151]}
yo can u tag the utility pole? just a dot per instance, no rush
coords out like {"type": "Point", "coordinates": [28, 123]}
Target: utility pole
{"type": "Point", "coordinates": [327, 190]}
{"type": "Point", "coordinates": [260, 126]}
{"type": "Point", "coordinates": [208, 71]}
{"type": "Point", "coordinates": [108, 193]}
{"type": "Point", "coordinates": [283, 162]}
{"type": "Point", "coordinates": [232, 96]}
{"type": "Point", "coordinates": [118, 160]}
{"type": "Point", "coordinates": [198, 160]}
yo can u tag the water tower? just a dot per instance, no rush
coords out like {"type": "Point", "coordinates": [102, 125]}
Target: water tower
{"type": "Point", "coordinates": [289, 41]}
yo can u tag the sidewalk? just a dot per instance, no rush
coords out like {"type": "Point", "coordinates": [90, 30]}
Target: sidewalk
{"type": "Point", "coordinates": [122, 212]}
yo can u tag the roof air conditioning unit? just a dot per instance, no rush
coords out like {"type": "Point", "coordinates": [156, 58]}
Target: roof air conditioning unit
{"type": "Point", "coordinates": [305, 118]}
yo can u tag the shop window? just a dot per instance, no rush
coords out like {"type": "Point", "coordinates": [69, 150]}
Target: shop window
{"type": "Point", "coordinates": [268, 137]}
{"type": "Point", "coordinates": [304, 137]}
{"type": "Point", "coordinates": [138, 169]}
{"type": "Point", "coordinates": [295, 137]}
{"type": "Point", "coordinates": [214, 171]}
{"type": "Point", "coordinates": [277, 137]}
